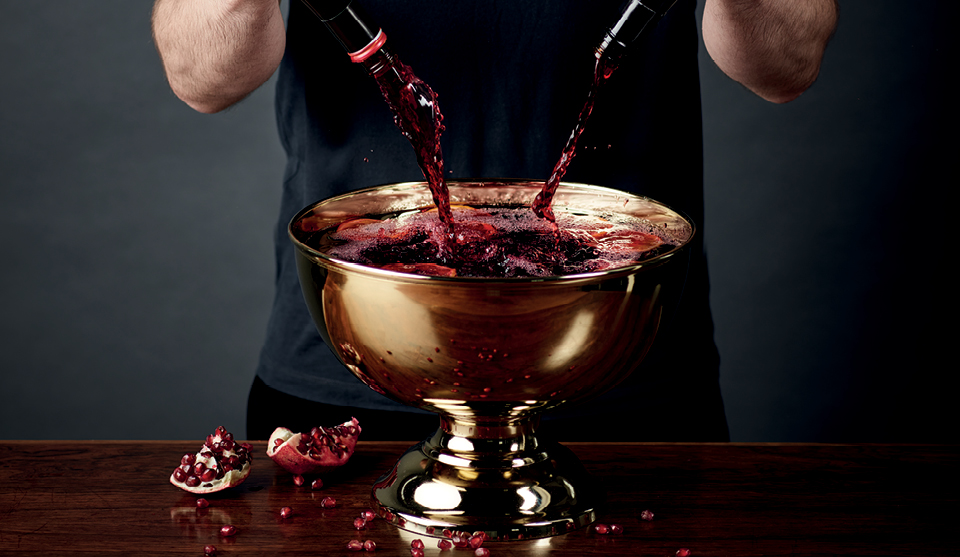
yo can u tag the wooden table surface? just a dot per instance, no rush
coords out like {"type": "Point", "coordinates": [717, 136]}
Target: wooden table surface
{"type": "Point", "coordinates": [110, 497]}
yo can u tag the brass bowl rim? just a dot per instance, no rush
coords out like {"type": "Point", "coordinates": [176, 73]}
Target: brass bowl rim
{"type": "Point", "coordinates": [395, 276]}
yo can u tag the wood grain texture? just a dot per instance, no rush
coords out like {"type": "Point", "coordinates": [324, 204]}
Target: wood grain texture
{"type": "Point", "coordinates": [104, 497]}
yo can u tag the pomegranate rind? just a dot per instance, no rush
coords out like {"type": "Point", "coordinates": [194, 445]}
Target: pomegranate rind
{"type": "Point", "coordinates": [213, 455]}
{"type": "Point", "coordinates": [283, 448]}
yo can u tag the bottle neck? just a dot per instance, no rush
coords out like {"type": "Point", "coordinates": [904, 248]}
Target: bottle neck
{"type": "Point", "coordinates": [638, 18]}
{"type": "Point", "coordinates": [351, 25]}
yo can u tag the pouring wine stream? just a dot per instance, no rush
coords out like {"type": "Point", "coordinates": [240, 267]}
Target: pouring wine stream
{"type": "Point", "coordinates": [414, 104]}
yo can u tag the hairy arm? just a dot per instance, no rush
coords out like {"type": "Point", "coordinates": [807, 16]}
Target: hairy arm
{"type": "Point", "coordinates": [772, 47]}
{"type": "Point", "coordinates": [216, 52]}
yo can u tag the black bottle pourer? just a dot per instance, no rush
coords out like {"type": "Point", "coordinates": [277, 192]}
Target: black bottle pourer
{"type": "Point", "coordinates": [360, 37]}
{"type": "Point", "coordinates": [638, 18]}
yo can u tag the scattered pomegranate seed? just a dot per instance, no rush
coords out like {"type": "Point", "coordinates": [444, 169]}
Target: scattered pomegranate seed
{"type": "Point", "coordinates": [369, 545]}
{"type": "Point", "coordinates": [601, 528]}
{"type": "Point", "coordinates": [228, 530]}
{"type": "Point", "coordinates": [286, 512]}
{"type": "Point", "coordinates": [445, 544]}
{"type": "Point", "coordinates": [355, 545]}
{"type": "Point", "coordinates": [298, 480]}
{"type": "Point", "coordinates": [482, 552]}
{"type": "Point", "coordinates": [447, 532]}
{"type": "Point", "coordinates": [415, 552]}
{"type": "Point", "coordinates": [417, 544]}
{"type": "Point", "coordinates": [647, 515]}
{"type": "Point", "coordinates": [683, 552]}
{"type": "Point", "coordinates": [359, 523]}
{"type": "Point", "coordinates": [210, 550]}
{"type": "Point", "coordinates": [368, 515]}
{"type": "Point", "coordinates": [616, 529]}
{"type": "Point", "coordinates": [475, 541]}
{"type": "Point", "coordinates": [202, 503]}
{"type": "Point", "coordinates": [317, 484]}
{"type": "Point", "coordinates": [328, 503]}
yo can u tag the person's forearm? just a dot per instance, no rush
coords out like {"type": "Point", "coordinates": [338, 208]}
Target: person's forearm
{"type": "Point", "coordinates": [216, 52]}
{"type": "Point", "coordinates": [772, 47]}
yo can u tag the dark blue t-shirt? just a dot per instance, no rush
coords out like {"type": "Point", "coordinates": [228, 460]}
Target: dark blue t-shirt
{"type": "Point", "coordinates": [511, 77]}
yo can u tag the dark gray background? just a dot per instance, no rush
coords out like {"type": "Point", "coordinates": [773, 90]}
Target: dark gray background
{"type": "Point", "coordinates": [136, 235]}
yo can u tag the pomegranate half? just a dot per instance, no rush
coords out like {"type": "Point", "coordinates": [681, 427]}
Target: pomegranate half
{"type": "Point", "coordinates": [220, 464]}
{"type": "Point", "coordinates": [319, 451]}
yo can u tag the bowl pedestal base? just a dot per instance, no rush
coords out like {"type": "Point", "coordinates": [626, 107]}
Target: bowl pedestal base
{"type": "Point", "coordinates": [496, 478]}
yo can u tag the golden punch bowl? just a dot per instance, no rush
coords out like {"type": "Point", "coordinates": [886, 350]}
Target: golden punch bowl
{"type": "Point", "coordinates": [488, 355]}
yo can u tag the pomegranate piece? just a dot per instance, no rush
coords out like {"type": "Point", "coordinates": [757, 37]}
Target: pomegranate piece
{"type": "Point", "coordinates": [355, 545]}
{"type": "Point", "coordinates": [228, 530]}
{"type": "Point", "coordinates": [369, 545]}
{"type": "Point", "coordinates": [202, 503]}
{"type": "Point", "coordinates": [316, 484]}
{"type": "Point", "coordinates": [220, 464]}
{"type": "Point", "coordinates": [328, 503]}
{"type": "Point", "coordinates": [298, 480]}
{"type": "Point", "coordinates": [445, 544]}
{"type": "Point", "coordinates": [417, 544]}
{"type": "Point", "coordinates": [319, 451]}
{"type": "Point", "coordinates": [286, 512]}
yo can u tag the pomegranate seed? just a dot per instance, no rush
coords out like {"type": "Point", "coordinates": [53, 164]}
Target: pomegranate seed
{"type": "Point", "coordinates": [683, 552]}
{"type": "Point", "coordinates": [369, 515]}
{"type": "Point", "coordinates": [647, 515]}
{"type": "Point", "coordinates": [616, 529]}
{"type": "Point", "coordinates": [444, 544]}
{"type": "Point", "coordinates": [415, 552]}
{"type": "Point", "coordinates": [316, 484]}
{"type": "Point", "coordinates": [192, 481]}
{"type": "Point", "coordinates": [482, 552]}
{"type": "Point", "coordinates": [202, 503]}
{"type": "Point", "coordinates": [601, 528]}
{"type": "Point", "coordinates": [355, 545]}
{"type": "Point", "coordinates": [209, 550]}
{"type": "Point", "coordinates": [228, 530]}
{"type": "Point", "coordinates": [369, 545]}
{"type": "Point", "coordinates": [286, 512]}
{"type": "Point", "coordinates": [208, 475]}
{"type": "Point", "coordinates": [417, 544]}
{"type": "Point", "coordinates": [475, 541]}
{"type": "Point", "coordinates": [359, 523]}
{"type": "Point", "coordinates": [298, 480]}
{"type": "Point", "coordinates": [460, 541]}
{"type": "Point", "coordinates": [447, 532]}
{"type": "Point", "coordinates": [179, 475]}
{"type": "Point", "coordinates": [188, 459]}
{"type": "Point", "coordinates": [328, 503]}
